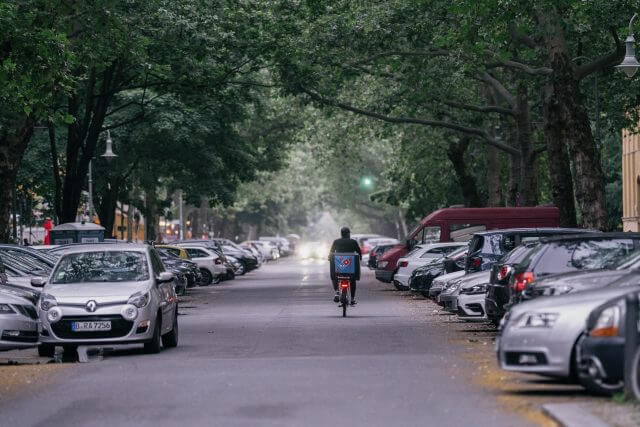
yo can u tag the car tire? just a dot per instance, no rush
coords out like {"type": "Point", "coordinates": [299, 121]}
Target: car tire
{"type": "Point", "coordinates": [216, 279]}
{"type": "Point", "coordinates": [241, 270]}
{"type": "Point", "coordinates": [154, 345]}
{"type": "Point", "coordinates": [46, 350]}
{"type": "Point", "coordinates": [600, 388]}
{"type": "Point", "coordinates": [230, 275]}
{"type": "Point", "coordinates": [207, 277]}
{"type": "Point", "coordinates": [170, 339]}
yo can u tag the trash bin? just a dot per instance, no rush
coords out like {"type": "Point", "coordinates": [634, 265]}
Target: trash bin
{"type": "Point", "coordinates": [77, 232]}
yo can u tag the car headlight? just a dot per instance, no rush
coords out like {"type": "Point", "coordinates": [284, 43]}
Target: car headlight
{"type": "Point", "coordinates": [556, 290]}
{"type": "Point", "coordinates": [382, 264]}
{"type": "Point", "coordinates": [536, 320]}
{"type": "Point", "coordinates": [421, 272]}
{"type": "Point", "coordinates": [54, 314]}
{"type": "Point", "coordinates": [47, 302]}
{"type": "Point", "coordinates": [608, 323]}
{"type": "Point", "coordinates": [475, 290]}
{"type": "Point", "coordinates": [129, 312]}
{"type": "Point", "coordinates": [139, 299]}
{"type": "Point", "coordinates": [451, 289]}
{"type": "Point", "coordinates": [6, 309]}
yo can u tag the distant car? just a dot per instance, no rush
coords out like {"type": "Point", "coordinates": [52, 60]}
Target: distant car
{"type": "Point", "coordinates": [318, 250]}
{"type": "Point", "coordinates": [442, 282]}
{"type": "Point", "coordinates": [471, 297]}
{"type": "Point", "coordinates": [363, 241]}
{"type": "Point", "coordinates": [421, 255]}
{"type": "Point", "coordinates": [450, 294]}
{"type": "Point", "coordinates": [377, 251]}
{"type": "Point", "coordinates": [18, 321]}
{"type": "Point", "coordinates": [211, 264]}
{"type": "Point", "coordinates": [422, 277]}
{"type": "Point", "coordinates": [108, 294]}
{"type": "Point", "coordinates": [282, 244]}
{"type": "Point", "coordinates": [269, 250]}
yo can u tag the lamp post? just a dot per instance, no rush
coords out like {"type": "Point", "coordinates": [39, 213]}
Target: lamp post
{"type": "Point", "coordinates": [630, 64]}
{"type": "Point", "coordinates": [108, 155]}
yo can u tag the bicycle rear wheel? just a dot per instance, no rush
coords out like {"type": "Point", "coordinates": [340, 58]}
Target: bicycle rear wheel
{"type": "Point", "coordinates": [345, 302]}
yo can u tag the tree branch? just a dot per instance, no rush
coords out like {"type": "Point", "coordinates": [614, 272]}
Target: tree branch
{"type": "Point", "coordinates": [481, 109]}
{"type": "Point", "coordinates": [603, 61]}
{"type": "Point", "coordinates": [499, 89]}
{"type": "Point", "coordinates": [540, 71]}
{"type": "Point", "coordinates": [434, 52]}
{"type": "Point", "coordinates": [480, 133]}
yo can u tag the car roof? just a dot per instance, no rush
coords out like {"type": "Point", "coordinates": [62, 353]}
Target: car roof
{"type": "Point", "coordinates": [98, 247]}
{"type": "Point", "coordinates": [541, 230]}
{"type": "Point", "coordinates": [592, 236]}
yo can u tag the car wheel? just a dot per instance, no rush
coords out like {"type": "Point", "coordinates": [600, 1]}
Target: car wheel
{"type": "Point", "coordinates": [216, 279]}
{"type": "Point", "coordinates": [170, 339]}
{"type": "Point", "coordinates": [46, 350]}
{"type": "Point", "coordinates": [207, 277]}
{"type": "Point", "coordinates": [230, 275]}
{"type": "Point", "coordinates": [241, 270]}
{"type": "Point", "coordinates": [154, 345]}
{"type": "Point", "coordinates": [600, 387]}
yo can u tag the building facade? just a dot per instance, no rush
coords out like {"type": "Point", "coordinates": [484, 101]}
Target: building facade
{"type": "Point", "coordinates": [630, 181]}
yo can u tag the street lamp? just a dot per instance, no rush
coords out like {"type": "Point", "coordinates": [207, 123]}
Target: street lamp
{"type": "Point", "coordinates": [630, 64]}
{"type": "Point", "coordinates": [108, 155]}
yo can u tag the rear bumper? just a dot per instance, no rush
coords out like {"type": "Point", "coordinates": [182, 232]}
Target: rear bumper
{"type": "Point", "coordinates": [384, 276]}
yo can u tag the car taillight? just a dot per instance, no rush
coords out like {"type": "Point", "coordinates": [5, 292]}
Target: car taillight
{"type": "Point", "coordinates": [476, 262]}
{"type": "Point", "coordinates": [503, 272]}
{"type": "Point", "coordinates": [403, 263]}
{"type": "Point", "coordinates": [522, 280]}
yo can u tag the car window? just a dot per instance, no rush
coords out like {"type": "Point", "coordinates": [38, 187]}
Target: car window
{"type": "Point", "coordinates": [102, 266]}
{"type": "Point", "coordinates": [464, 232]}
{"type": "Point", "coordinates": [430, 234]}
{"type": "Point", "coordinates": [156, 262]}
{"type": "Point", "coordinates": [566, 256]}
{"type": "Point", "coordinates": [196, 253]}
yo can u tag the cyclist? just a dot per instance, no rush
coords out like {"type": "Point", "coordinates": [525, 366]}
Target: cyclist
{"type": "Point", "coordinates": [344, 245]}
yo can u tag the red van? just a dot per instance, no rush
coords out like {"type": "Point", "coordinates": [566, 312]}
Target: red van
{"type": "Point", "coordinates": [458, 224]}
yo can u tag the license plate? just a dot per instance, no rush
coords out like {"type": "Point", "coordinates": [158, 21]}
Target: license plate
{"type": "Point", "coordinates": [91, 326]}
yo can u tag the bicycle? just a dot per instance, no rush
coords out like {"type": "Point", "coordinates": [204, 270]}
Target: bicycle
{"type": "Point", "coordinates": [345, 268]}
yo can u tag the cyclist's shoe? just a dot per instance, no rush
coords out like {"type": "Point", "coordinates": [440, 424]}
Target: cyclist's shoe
{"type": "Point", "coordinates": [353, 301]}
{"type": "Point", "coordinates": [336, 297]}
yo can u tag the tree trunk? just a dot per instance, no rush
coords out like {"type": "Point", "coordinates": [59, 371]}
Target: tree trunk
{"type": "Point", "coordinates": [528, 184]}
{"type": "Point", "coordinates": [14, 138]}
{"type": "Point", "coordinates": [515, 170]}
{"type": "Point", "coordinates": [150, 215]}
{"type": "Point", "coordinates": [493, 177]}
{"type": "Point", "coordinates": [107, 207]}
{"type": "Point", "coordinates": [467, 182]}
{"type": "Point", "coordinates": [568, 123]}
{"type": "Point", "coordinates": [559, 169]}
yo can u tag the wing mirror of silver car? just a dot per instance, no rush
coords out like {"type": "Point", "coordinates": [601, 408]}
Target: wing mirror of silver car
{"type": "Point", "coordinates": [38, 282]}
{"type": "Point", "coordinates": [165, 276]}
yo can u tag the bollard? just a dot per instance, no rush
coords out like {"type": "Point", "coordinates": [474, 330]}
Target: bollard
{"type": "Point", "coordinates": [630, 345]}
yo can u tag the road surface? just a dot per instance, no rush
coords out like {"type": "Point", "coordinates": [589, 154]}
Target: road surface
{"type": "Point", "coordinates": [270, 348]}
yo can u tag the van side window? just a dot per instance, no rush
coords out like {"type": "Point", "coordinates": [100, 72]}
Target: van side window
{"type": "Point", "coordinates": [430, 235]}
{"type": "Point", "coordinates": [464, 232]}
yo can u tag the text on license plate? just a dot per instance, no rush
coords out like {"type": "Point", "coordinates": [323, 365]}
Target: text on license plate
{"type": "Point", "coordinates": [91, 326]}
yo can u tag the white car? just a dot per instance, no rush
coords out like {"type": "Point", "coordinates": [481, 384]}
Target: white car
{"type": "Point", "coordinates": [419, 256]}
{"type": "Point", "coordinates": [209, 262]}
{"type": "Point", "coordinates": [471, 296]}
{"type": "Point", "coordinates": [268, 249]}
{"type": "Point", "coordinates": [108, 294]}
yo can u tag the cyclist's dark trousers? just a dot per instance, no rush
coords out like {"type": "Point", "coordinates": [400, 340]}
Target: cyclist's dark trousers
{"type": "Point", "coordinates": [353, 286]}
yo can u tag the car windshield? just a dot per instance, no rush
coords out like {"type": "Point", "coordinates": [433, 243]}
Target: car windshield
{"type": "Point", "coordinates": [103, 266]}
{"type": "Point", "coordinates": [564, 256]}
{"type": "Point", "coordinates": [629, 262]}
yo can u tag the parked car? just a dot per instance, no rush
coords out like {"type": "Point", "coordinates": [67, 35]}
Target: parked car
{"type": "Point", "coordinates": [497, 297]}
{"type": "Point", "coordinates": [471, 297]}
{"type": "Point", "coordinates": [283, 244]}
{"type": "Point", "coordinates": [588, 251]}
{"type": "Point", "coordinates": [18, 321]}
{"type": "Point", "coordinates": [108, 294]}
{"type": "Point", "coordinates": [422, 277]}
{"type": "Point", "coordinates": [419, 256]}
{"type": "Point", "coordinates": [42, 257]}
{"type": "Point", "coordinates": [173, 250]}
{"type": "Point", "coordinates": [541, 336]}
{"type": "Point", "coordinates": [269, 250]}
{"type": "Point", "coordinates": [376, 252]}
{"type": "Point", "coordinates": [440, 283]}
{"type": "Point", "coordinates": [180, 258]}
{"type": "Point", "coordinates": [211, 264]}
{"type": "Point", "coordinates": [459, 225]}
{"type": "Point", "coordinates": [363, 241]}
{"type": "Point", "coordinates": [448, 298]}
{"type": "Point", "coordinates": [601, 347]}
{"type": "Point", "coordinates": [180, 270]}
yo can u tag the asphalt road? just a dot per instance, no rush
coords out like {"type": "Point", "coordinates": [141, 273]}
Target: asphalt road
{"type": "Point", "coordinates": [272, 349]}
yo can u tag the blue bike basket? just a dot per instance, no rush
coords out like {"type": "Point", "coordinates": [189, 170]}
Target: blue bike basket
{"type": "Point", "coordinates": [345, 264]}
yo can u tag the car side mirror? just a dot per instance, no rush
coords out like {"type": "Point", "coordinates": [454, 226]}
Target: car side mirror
{"type": "Point", "coordinates": [38, 282]}
{"type": "Point", "coordinates": [165, 276]}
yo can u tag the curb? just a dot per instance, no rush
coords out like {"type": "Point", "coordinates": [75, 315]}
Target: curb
{"type": "Point", "coordinates": [572, 415]}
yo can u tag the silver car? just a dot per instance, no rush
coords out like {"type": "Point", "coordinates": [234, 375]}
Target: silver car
{"type": "Point", "coordinates": [471, 296]}
{"type": "Point", "coordinates": [540, 336]}
{"type": "Point", "coordinates": [108, 294]}
{"type": "Point", "coordinates": [18, 321]}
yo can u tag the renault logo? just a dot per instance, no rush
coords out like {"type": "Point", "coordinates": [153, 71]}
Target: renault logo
{"type": "Point", "coordinates": [91, 306]}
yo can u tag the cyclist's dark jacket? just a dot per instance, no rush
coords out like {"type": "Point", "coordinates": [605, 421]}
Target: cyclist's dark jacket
{"type": "Point", "coordinates": [344, 245]}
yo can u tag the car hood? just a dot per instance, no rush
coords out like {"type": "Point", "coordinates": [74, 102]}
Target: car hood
{"type": "Point", "coordinates": [450, 276]}
{"type": "Point", "coordinates": [95, 290]}
{"type": "Point", "coordinates": [470, 280]}
{"type": "Point", "coordinates": [589, 299]}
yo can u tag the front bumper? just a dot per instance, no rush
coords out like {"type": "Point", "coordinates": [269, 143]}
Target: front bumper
{"type": "Point", "coordinates": [17, 331]}
{"type": "Point", "coordinates": [449, 302]}
{"type": "Point", "coordinates": [122, 331]}
{"type": "Point", "coordinates": [384, 275]}
{"type": "Point", "coordinates": [544, 351]}
{"type": "Point", "coordinates": [471, 307]}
